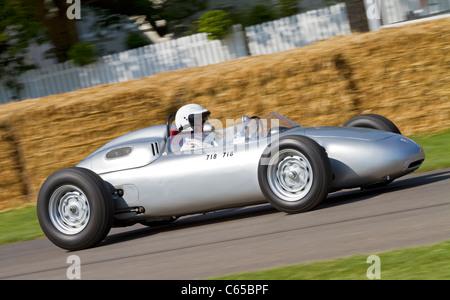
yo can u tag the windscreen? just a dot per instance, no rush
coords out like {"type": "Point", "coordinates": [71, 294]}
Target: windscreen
{"type": "Point", "coordinates": [236, 131]}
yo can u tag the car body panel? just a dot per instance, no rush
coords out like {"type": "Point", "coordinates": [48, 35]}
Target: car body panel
{"type": "Point", "coordinates": [362, 156]}
{"type": "Point", "coordinates": [181, 184]}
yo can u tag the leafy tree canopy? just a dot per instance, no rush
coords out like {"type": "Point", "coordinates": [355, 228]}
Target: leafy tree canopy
{"type": "Point", "coordinates": [18, 28]}
{"type": "Point", "coordinates": [168, 10]}
{"type": "Point", "coordinates": [216, 23]}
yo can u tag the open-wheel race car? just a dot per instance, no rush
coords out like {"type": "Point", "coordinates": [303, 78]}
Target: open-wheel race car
{"type": "Point", "coordinates": [157, 174]}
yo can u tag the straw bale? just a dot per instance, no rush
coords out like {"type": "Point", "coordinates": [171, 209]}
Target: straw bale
{"type": "Point", "coordinates": [10, 173]}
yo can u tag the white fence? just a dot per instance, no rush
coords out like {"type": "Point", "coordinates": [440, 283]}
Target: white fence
{"type": "Point", "coordinates": [394, 11]}
{"type": "Point", "coordinates": [298, 30]}
{"type": "Point", "coordinates": [190, 51]}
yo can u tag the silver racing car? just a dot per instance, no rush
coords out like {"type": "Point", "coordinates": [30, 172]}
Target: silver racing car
{"type": "Point", "coordinates": [157, 174]}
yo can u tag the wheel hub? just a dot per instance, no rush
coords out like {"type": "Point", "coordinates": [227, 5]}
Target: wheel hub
{"type": "Point", "coordinates": [290, 175]}
{"type": "Point", "coordinates": [69, 209]}
{"type": "Point", "coordinates": [73, 209]}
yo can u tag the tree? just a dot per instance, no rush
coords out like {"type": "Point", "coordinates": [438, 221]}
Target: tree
{"type": "Point", "coordinates": [82, 53]}
{"type": "Point", "coordinates": [24, 22]}
{"type": "Point", "coordinates": [19, 27]}
{"type": "Point", "coordinates": [288, 7]}
{"type": "Point", "coordinates": [60, 29]}
{"type": "Point", "coordinates": [179, 14]}
{"type": "Point", "coordinates": [145, 8]}
{"type": "Point", "coordinates": [171, 11]}
{"type": "Point", "coordinates": [356, 11]}
{"type": "Point", "coordinates": [260, 13]}
{"type": "Point", "coordinates": [136, 40]}
{"type": "Point", "coordinates": [216, 23]}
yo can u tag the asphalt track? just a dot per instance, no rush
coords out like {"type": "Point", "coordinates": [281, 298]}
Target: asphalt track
{"type": "Point", "coordinates": [413, 210]}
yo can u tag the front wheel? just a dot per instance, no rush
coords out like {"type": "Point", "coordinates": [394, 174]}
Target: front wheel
{"type": "Point", "coordinates": [75, 208]}
{"type": "Point", "coordinates": [295, 174]}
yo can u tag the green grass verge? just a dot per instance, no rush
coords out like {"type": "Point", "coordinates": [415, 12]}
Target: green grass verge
{"type": "Point", "coordinates": [19, 225]}
{"type": "Point", "coordinates": [437, 150]}
{"type": "Point", "coordinates": [431, 262]}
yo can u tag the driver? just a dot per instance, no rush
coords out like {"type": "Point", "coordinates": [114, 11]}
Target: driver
{"type": "Point", "coordinates": [190, 121]}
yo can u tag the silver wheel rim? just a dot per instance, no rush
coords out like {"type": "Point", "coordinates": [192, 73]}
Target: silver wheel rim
{"type": "Point", "coordinates": [290, 175]}
{"type": "Point", "coordinates": [69, 209]}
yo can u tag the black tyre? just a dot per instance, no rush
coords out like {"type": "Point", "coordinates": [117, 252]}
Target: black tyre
{"type": "Point", "coordinates": [75, 208]}
{"type": "Point", "coordinates": [372, 121]}
{"type": "Point", "coordinates": [295, 174]}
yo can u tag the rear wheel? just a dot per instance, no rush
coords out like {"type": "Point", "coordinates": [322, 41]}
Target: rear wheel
{"type": "Point", "coordinates": [75, 208]}
{"type": "Point", "coordinates": [373, 121]}
{"type": "Point", "coordinates": [295, 174]}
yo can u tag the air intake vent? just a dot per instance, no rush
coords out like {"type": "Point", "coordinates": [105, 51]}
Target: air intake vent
{"type": "Point", "coordinates": [415, 164]}
{"type": "Point", "coordinates": [155, 148]}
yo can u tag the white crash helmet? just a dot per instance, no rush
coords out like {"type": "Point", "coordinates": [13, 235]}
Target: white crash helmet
{"type": "Point", "coordinates": [184, 119]}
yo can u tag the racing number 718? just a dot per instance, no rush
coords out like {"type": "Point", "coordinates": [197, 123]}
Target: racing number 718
{"type": "Point", "coordinates": [214, 156]}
